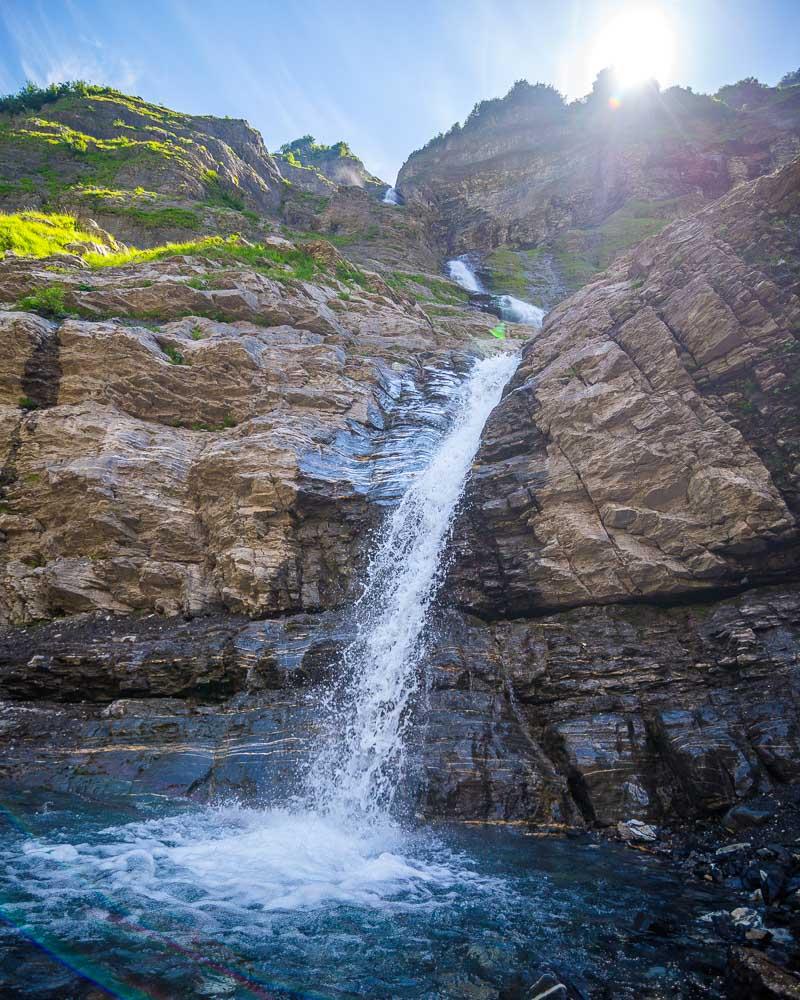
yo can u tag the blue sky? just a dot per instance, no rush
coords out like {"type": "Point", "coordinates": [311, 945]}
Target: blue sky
{"type": "Point", "coordinates": [383, 76]}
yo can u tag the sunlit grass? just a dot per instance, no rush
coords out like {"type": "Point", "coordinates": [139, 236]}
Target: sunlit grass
{"type": "Point", "coordinates": [276, 262]}
{"type": "Point", "coordinates": [37, 234]}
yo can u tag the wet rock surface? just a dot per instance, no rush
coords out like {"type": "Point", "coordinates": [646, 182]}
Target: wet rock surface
{"type": "Point", "coordinates": [636, 717]}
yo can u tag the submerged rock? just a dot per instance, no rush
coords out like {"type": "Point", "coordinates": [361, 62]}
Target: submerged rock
{"type": "Point", "coordinates": [547, 986]}
{"type": "Point", "coordinates": [753, 976]}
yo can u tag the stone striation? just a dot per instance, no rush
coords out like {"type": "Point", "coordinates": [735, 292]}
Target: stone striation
{"type": "Point", "coordinates": [175, 465]}
{"type": "Point", "coordinates": [527, 167]}
{"type": "Point", "coordinates": [589, 716]}
{"type": "Point", "coordinates": [647, 448]}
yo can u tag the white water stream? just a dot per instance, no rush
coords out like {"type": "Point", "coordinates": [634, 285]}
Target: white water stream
{"type": "Point", "coordinates": [214, 869]}
{"type": "Point", "coordinates": [511, 309]}
{"type": "Point", "coordinates": [462, 272]}
{"type": "Point", "coordinates": [391, 197]}
{"type": "Point", "coordinates": [358, 772]}
{"type": "Point", "coordinates": [516, 310]}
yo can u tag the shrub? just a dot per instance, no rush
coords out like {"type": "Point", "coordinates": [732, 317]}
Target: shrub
{"type": "Point", "coordinates": [26, 403]}
{"type": "Point", "coordinates": [32, 97]}
{"type": "Point", "coordinates": [197, 334]}
{"type": "Point", "coordinates": [746, 91]}
{"type": "Point", "coordinates": [790, 79]}
{"type": "Point", "coordinates": [218, 196]}
{"type": "Point", "coordinates": [158, 218]}
{"type": "Point", "coordinates": [306, 150]}
{"type": "Point", "coordinates": [47, 301]}
{"type": "Point", "coordinates": [174, 355]}
{"type": "Point", "coordinates": [350, 274]}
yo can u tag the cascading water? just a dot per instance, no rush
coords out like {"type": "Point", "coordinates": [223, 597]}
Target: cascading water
{"type": "Point", "coordinates": [333, 897]}
{"type": "Point", "coordinates": [516, 310]}
{"type": "Point", "coordinates": [357, 773]}
{"type": "Point", "coordinates": [391, 197]}
{"type": "Point", "coordinates": [462, 272]}
{"type": "Point", "coordinates": [510, 308]}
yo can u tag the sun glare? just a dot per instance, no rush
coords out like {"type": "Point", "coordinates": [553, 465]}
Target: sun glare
{"type": "Point", "coordinates": [639, 44]}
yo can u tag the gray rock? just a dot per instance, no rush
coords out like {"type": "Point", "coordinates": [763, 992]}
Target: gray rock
{"type": "Point", "coordinates": [547, 987]}
{"type": "Point", "coordinates": [634, 829]}
{"type": "Point", "coordinates": [745, 817]}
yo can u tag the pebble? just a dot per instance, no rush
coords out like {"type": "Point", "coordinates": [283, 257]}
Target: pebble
{"type": "Point", "coordinates": [635, 829]}
{"type": "Point", "coordinates": [724, 852]}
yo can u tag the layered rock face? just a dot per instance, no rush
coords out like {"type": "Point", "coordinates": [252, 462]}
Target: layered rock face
{"type": "Point", "coordinates": [220, 456]}
{"type": "Point", "coordinates": [587, 716]}
{"type": "Point", "coordinates": [525, 170]}
{"type": "Point", "coordinates": [646, 448]}
{"type": "Point", "coordinates": [644, 454]}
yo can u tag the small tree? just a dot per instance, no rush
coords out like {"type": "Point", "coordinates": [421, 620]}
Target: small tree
{"type": "Point", "coordinates": [790, 79]}
{"type": "Point", "coordinates": [746, 91]}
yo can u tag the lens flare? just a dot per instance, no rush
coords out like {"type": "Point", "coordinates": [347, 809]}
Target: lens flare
{"type": "Point", "coordinates": [639, 44]}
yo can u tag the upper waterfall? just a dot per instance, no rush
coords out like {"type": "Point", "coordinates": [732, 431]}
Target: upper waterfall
{"type": "Point", "coordinates": [462, 272]}
{"type": "Point", "coordinates": [516, 310]}
{"type": "Point", "coordinates": [508, 307]}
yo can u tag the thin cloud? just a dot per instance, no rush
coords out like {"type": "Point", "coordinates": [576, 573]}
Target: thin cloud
{"type": "Point", "coordinates": [49, 54]}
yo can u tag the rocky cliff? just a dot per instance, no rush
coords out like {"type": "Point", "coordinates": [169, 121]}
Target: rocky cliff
{"type": "Point", "coordinates": [577, 184]}
{"type": "Point", "coordinates": [151, 175]}
{"type": "Point", "coordinates": [198, 439]}
{"type": "Point", "coordinates": [322, 169]}
{"type": "Point", "coordinates": [647, 447]}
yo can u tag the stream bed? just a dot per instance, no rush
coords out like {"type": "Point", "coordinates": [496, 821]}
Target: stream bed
{"type": "Point", "coordinates": [147, 898]}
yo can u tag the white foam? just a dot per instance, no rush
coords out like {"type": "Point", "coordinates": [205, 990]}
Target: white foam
{"type": "Point", "coordinates": [461, 271]}
{"type": "Point", "coordinates": [231, 864]}
{"type": "Point", "coordinates": [391, 197]}
{"type": "Point", "coordinates": [515, 310]}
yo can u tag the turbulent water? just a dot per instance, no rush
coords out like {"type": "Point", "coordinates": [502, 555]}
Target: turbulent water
{"type": "Point", "coordinates": [462, 272]}
{"type": "Point", "coordinates": [509, 307]}
{"type": "Point", "coordinates": [391, 197]}
{"type": "Point", "coordinates": [332, 896]}
{"type": "Point", "coordinates": [517, 311]}
{"type": "Point", "coordinates": [359, 771]}
{"type": "Point", "coordinates": [235, 903]}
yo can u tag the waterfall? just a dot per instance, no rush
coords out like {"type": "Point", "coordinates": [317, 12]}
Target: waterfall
{"type": "Point", "coordinates": [462, 272]}
{"type": "Point", "coordinates": [339, 842]}
{"type": "Point", "coordinates": [510, 308]}
{"type": "Point", "coordinates": [516, 310]}
{"type": "Point", "coordinates": [391, 197]}
{"type": "Point", "coordinates": [358, 771]}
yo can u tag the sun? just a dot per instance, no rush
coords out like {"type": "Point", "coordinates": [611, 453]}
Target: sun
{"type": "Point", "coordinates": [638, 43]}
